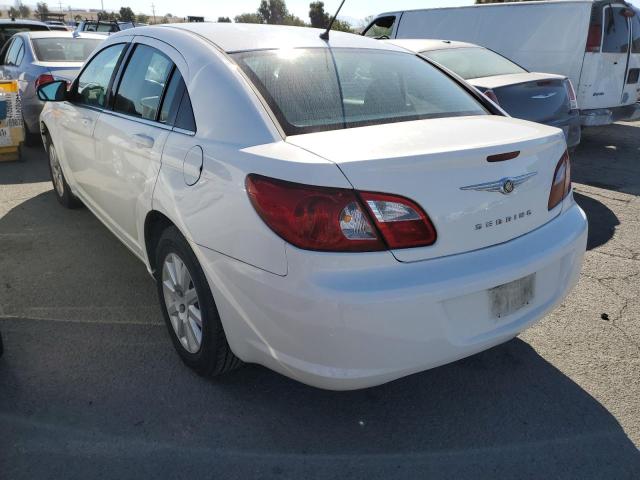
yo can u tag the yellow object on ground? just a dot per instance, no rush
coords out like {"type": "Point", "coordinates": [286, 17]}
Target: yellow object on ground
{"type": "Point", "coordinates": [11, 123]}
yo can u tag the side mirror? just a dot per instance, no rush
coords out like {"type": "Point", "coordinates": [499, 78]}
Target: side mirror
{"type": "Point", "coordinates": [53, 91]}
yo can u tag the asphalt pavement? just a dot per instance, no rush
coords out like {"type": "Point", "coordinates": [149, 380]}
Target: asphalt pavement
{"type": "Point", "coordinates": [90, 386]}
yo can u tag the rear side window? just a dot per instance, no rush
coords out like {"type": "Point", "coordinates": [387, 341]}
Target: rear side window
{"type": "Point", "coordinates": [64, 49]}
{"type": "Point", "coordinates": [381, 27]}
{"type": "Point", "coordinates": [473, 62]}
{"type": "Point", "coordinates": [12, 53]}
{"type": "Point", "coordinates": [143, 83]}
{"type": "Point", "coordinates": [615, 30]}
{"type": "Point", "coordinates": [319, 89]}
{"type": "Point", "coordinates": [635, 29]}
{"type": "Point", "coordinates": [94, 79]}
{"type": "Point", "coordinates": [184, 118]}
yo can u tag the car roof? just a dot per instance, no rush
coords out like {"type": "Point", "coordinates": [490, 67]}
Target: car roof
{"type": "Point", "coordinates": [60, 34]}
{"type": "Point", "coordinates": [422, 45]}
{"type": "Point", "coordinates": [238, 37]}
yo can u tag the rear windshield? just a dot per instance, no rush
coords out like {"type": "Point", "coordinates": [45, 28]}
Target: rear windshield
{"type": "Point", "coordinates": [473, 62]}
{"type": "Point", "coordinates": [312, 90]}
{"type": "Point", "coordinates": [64, 49]}
{"type": "Point", "coordinates": [7, 31]}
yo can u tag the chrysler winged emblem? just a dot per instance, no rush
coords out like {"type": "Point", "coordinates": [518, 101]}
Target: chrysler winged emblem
{"type": "Point", "coordinates": [504, 185]}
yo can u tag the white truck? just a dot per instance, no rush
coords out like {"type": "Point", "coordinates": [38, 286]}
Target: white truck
{"type": "Point", "coordinates": [596, 43]}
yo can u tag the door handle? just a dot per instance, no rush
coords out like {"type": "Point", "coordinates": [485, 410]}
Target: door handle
{"type": "Point", "coordinates": [142, 140]}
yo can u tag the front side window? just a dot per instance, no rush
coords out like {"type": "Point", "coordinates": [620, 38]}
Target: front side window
{"type": "Point", "coordinates": [473, 62]}
{"type": "Point", "coordinates": [616, 31]}
{"type": "Point", "coordinates": [143, 82]}
{"type": "Point", "coordinates": [312, 90]}
{"type": "Point", "coordinates": [94, 80]}
{"type": "Point", "coordinates": [381, 27]}
{"type": "Point", "coordinates": [64, 49]}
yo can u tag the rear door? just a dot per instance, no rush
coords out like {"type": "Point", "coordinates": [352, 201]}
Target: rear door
{"type": "Point", "coordinates": [604, 71]}
{"type": "Point", "coordinates": [130, 138]}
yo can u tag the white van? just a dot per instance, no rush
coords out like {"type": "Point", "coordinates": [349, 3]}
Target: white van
{"type": "Point", "coordinates": [596, 43]}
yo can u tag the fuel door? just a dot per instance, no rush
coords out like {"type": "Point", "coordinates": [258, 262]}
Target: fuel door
{"type": "Point", "coordinates": [192, 166]}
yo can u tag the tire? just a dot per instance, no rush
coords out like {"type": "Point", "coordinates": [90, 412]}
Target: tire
{"type": "Point", "coordinates": [60, 186]}
{"type": "Point", "coordinates": [212, 356]}
{"type": "Point", "coordinates": [30, 139]}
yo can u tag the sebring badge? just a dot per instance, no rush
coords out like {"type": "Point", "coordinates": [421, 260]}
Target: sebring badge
{"type": "Point", "coordinates": [504, 185]}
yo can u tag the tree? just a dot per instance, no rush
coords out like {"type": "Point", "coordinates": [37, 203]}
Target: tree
{"type": "Point", "coordinates": [224, 20]}
{"type": "Point", "coordinates": [14, 12]}
{"type": "Point", "coordinates": [319, 18]}
{"type": "Point", "coordinates": [25, 12]}
{"type": "Point", "coordinates": [142, 18]}
{"type": "Point", "coordinates": [41, 9]}
{"type": "Point", "coordinates": [127, 15]}
{"type": "Point", "coordinates": [291, 19]}
{"type": "Point", "coordinates": [248, 18]}
{"type": "Point", "coordinates": [273, 11]}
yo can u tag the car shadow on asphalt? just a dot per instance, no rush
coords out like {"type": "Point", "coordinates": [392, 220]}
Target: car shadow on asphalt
{"type": "Point", "coordinates": [34, 168]}
{"type": "Point", "coordinates": [98, 388]}
{"type": "Point", "coordinates": [607, 157]}
{"type": "Point", "coordinates": [602, 220]}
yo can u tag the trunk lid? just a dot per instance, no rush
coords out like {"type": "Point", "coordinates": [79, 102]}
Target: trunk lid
{"type": "Point", "coordinates": [62, 71]}
{"type": "Point", "coordinates": [429, 161]}
{"type": "Point", "coordinates": [534, 96]}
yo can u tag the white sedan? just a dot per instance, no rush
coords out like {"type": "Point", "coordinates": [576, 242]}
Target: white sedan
{"type": "Point", "coordinates": [343, 211]}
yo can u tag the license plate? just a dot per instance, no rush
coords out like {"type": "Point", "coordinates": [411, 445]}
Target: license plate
{"type": "Point", "coordinates": [511, 297]}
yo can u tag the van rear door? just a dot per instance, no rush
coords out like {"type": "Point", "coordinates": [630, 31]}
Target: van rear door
{"type": "Point", "coordinates": [632, 85]}
{"type": "Point", "coordinates": [604, 70]}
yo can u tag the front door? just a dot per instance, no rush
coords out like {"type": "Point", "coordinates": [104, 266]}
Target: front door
{"type": "Point", "coordinates": [78, 120]}
{"type": "Point", "coordinates": [131, 137]}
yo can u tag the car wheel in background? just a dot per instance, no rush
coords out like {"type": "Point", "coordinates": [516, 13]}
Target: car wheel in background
{"type": "Point", "coordinates": [189, 309]}
{"type": "Point", "coordinates": [60, 186]}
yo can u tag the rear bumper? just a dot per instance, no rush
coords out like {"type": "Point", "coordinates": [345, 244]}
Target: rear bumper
{"type": "Point", "coordinates": [571, 126]}
{"type": "Point", "coordinates": [606, 116]}
{"type": "Point", "coordinates": [343, 321]}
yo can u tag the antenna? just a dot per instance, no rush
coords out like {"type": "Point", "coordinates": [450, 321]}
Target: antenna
{"type": "Point", "coordinates": [325, 35]}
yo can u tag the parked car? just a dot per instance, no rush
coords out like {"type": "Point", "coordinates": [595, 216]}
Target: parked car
{"type": "Point", "coordinates": [57, 25]}
{"type": "Point", "coordinates": [344, 212]}
{"type": "Point", "coordinates": [10, 27]}
{"type": "Point", "coordinates": [34, 58]}
{"type": "Point", "coordinates": [105, 27]}
{"type": "Point", "coordinates": [538, 97]}
{"type": "Point", "coordinates": [595, 43]}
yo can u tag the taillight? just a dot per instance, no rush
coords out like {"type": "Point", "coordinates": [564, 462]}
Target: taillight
{"type": "Point", "coordinates": [571, 93]}
{"type": "Point", "coordinates": [338, 219]}
{"type": "Point", "coordinates": [44, 79]}
{"type": "Point", "coordinates": [561, 185]}
{"type": "Point", "coordinates": [594, 39]}
{"type": "Point", "coordinates": [491, 95]}
{"type": "Point", "coordinates": [402, 223]}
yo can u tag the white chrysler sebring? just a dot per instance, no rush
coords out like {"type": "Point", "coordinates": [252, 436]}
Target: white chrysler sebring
{"type": "Point", "coordinates": [341, 211]}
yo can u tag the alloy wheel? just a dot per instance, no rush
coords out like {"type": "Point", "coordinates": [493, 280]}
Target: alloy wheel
{"type": "Point", "coordinates": [56, 171]}
{"type": "Point", "coordinates": [181, 300]}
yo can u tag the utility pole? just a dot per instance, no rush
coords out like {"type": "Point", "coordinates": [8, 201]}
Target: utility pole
{"type": "Point", "coordinates": [153, 10]}
{"type": "Point", "coordinates": [102, 5]}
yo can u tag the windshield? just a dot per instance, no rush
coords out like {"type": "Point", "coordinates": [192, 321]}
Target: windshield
{"type": "Point", "coordinates": [64, 49]}
{"type": "Point", "coordinates": [312, 90]}
{"type": "Point", "coordinates": [473, 62]}
{"type": "Point", "coordinates": [7, 31]}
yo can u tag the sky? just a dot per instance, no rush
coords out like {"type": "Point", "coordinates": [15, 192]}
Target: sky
{"type": "Point", "coordinates": [353, 10]}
